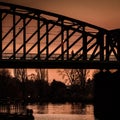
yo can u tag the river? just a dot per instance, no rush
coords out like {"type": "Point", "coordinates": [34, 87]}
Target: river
{"type": "Point", "coordinates": [66, 111]}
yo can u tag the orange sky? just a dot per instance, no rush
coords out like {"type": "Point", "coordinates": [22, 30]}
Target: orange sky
{"type": "Point", "coordinates": [103, 13]}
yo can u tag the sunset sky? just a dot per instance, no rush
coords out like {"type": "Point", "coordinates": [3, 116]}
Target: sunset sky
{"type": "Point", "coordinates": [102, 13]}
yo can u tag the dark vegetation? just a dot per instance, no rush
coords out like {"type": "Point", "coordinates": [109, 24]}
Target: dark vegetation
{"type": "Point", "coordinates": [106, 95]}
{"type": "Point", "coordinates": [102, 91]}
{"type": "Point", "coordinates": [31, 91]}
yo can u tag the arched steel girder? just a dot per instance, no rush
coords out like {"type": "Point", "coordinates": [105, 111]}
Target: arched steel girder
{"type": "Point", "coordinates": [37, 15]}
{"type": "Point", "coordinates": [91, 41]}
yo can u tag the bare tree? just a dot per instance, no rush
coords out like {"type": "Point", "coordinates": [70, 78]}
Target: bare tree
{"type": "Point", "coordinates": [42, 74]}
{"type": "Point", "coordinates": [5, 72]}
{"type": "Point", "coordinates": [74, 76]}
{"type": "Point", "coordinates": [20, 74]}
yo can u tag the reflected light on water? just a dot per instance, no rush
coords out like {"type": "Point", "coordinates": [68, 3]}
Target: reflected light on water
{"type": "Point", "coordinates": [63, 117]}
{"type": "Point", "coordinates": [67, 108]}
{"type": "Point", "coordinates": [75, 111]}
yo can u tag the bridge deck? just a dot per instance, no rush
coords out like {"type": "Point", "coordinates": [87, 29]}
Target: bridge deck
{"type": "Point", "coordinates": [59, 64]}
{"type": "Point", "coordinates": [29, 62]}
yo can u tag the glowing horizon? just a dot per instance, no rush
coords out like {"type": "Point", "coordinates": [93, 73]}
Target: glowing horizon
{"type": "Point", "coordinates": [103, 13]}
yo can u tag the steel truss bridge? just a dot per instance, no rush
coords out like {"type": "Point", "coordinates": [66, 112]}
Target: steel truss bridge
{"type": "Point", "coordinates": [32, 38]}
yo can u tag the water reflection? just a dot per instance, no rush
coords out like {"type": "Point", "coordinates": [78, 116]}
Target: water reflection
{"type": "Point", "coordinates": [67, 111]}
{"type": "Point", "coordinates": [67, 108]}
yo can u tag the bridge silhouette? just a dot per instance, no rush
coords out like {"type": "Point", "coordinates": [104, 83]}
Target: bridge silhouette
{"type": "Point", "coordinates": [32, 38]}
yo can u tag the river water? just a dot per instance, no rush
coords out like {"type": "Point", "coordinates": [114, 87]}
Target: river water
{"type": "Point", "coordinates": [66, 111]}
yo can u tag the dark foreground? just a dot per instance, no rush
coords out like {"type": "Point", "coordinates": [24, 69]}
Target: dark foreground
{"type": "Point", "coordinates": [25, 116]}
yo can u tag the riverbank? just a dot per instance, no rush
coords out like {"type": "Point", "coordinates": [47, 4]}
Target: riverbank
{"type": "Point", "coordinates": [27, 115]}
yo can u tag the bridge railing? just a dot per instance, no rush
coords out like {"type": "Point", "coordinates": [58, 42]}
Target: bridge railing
{"type": "Point", "coordinates": [30, 56]}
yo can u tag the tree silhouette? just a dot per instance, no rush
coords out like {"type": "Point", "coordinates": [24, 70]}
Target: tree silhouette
{"type": "Point", "coordinates": [106, 94]}
{"type": "Point", "coordinates": [9, 87]}
{"type": "Point", "coordinates": [74, 76]}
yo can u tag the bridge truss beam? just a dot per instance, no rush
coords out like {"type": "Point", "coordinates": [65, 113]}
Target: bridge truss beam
{"type": "Point", "coordinates": [36, 38]}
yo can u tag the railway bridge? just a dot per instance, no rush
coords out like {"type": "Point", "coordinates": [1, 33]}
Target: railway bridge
{"type": "Point", "coordinates": [32, 38]}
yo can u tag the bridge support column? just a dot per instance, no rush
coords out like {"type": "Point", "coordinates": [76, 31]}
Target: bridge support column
{"type": "Point", "coordinates": [47, 40]}
{"type": "Point", "coordinates": [0, 35]}
{"type": "Point", "coordinates": [101, 42]}
{"type": "Point", "coordinates": [24, 38]}
{"type": "Point", "coordinates": [38, 36]}
{"type": "Point", "coordinates": [67, 45]}
{"type": "Point", "coordinates": [62, 40]}
{"type": "Point", "coordinates": [84, 45]}
{"type": "Point", "coordinates": [118, 45]}
{"type": "Point", "coordinates": [107, 48]}
{"type": "Point", "coordinates": [14, 33]}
